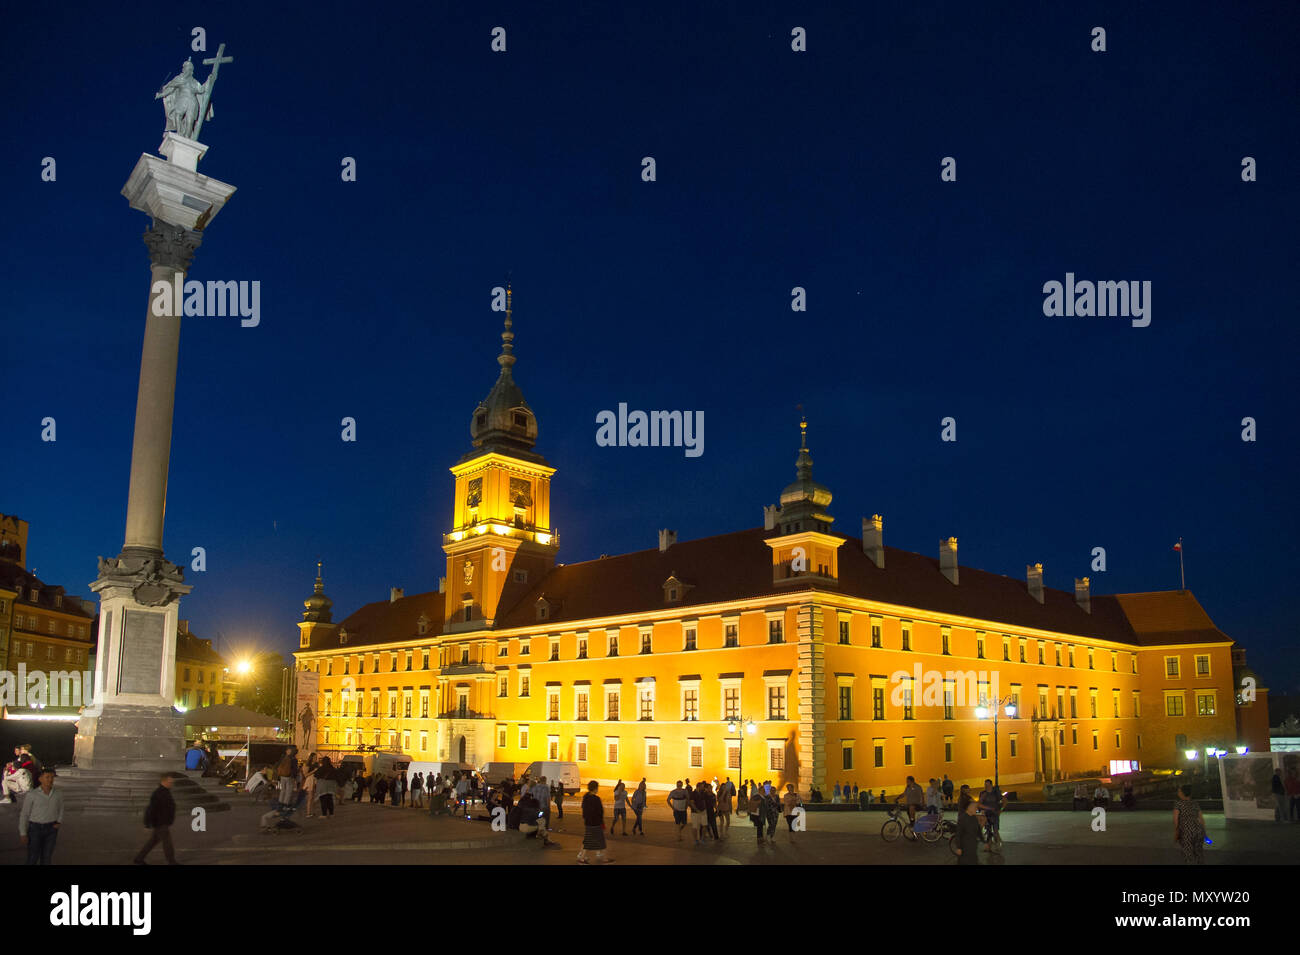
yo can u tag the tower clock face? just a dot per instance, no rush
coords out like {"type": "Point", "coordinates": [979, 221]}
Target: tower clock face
{"type": "Point", "coordinates": [521, 492]}
{"type": "Point", "coordinates": [474, 492]}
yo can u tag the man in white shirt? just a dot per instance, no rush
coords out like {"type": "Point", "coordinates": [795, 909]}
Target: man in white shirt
{"type": "Point", "coordinates": [39, 820]}
{"type": "Point", "coordinates": [933, 797]}
{"type": "Point", "coordinates": [542, 793]}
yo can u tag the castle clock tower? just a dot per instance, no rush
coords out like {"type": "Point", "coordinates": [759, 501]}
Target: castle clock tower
{"type": "Point", "coordinates": [501, 542]}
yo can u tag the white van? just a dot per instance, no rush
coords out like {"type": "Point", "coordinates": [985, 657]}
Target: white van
{"type": "Point", "coordinates": [432, 770]}
{"type": "Point", "coordinates": [496, 773]}
{"type": "Point", "coordinates": [566, 773]}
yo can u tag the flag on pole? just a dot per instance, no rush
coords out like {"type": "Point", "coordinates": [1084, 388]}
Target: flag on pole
{"type": "Point", "coordinates": [1178, 546]}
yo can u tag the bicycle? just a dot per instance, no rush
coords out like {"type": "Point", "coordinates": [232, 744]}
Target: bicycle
{"type": "Point", "coordinates": [898, 824]}
{"type": "Point", "coordinates": [933, 827]}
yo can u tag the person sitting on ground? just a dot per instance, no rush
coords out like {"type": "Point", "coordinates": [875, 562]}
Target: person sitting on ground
{"type": "Point", "coordinates": [1128, 800]}
{"type": "Point", "coordinates": [259, 779]}
{"type": "Point", "coordinates": [1101, 796]}
{"type": "Point", "coordinates": [1080, 796]}
{"type": "Point", "coordinates": [196, 758]}
{"type": "Point", "coordinates": [530, 818]}
{"type": "Point", "coordinates": [18, 775]}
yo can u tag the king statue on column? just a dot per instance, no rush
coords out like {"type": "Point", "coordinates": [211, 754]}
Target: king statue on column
{"type": "Point", "coordinates": [131, 725]}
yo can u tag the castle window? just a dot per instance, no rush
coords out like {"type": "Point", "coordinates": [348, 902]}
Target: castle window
{"type": "Point", "coordinates": [520, 420]}
{"type": "Point", "coordinates": [521, 576]}
{"type": "Point", "coordinates": [482, 420]}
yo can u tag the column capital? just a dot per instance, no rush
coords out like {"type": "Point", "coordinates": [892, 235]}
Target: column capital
{"type": "Point", "coordinates": [171, 246]}
{"type": "Point", "coordinates": [152, 581]}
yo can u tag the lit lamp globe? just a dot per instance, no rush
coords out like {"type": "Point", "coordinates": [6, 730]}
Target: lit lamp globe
{"type": "Point", "coordinates": [1191, 753]}
{"type": "Point", "coordinates": [1241, 750]}
{"type": "Point", "coordinates": [1210, 751]}
{"type": "Point", "coordinates": [1010, 710]}
{"type": "Point", "coordinates": [243, 667]}
{"type": "Point", "coordinates": [981, 712]}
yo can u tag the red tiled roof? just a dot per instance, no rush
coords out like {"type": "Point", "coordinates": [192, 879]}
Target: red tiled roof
{"type": "Point", "coordinates": [384, 621]}
{"type": "Point", "coordinates": [738, 566]}
{"type": "Point", "coordinates": [1169, 616]}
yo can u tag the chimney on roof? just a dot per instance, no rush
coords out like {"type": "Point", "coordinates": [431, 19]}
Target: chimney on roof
{"type": "Point", "coordinates": [770, 514]}
{"type": "Point", "coordinates": [1083, 593]}
{"type": "Point", "coordinates": [442, 585]}
{"type": "Point", "coordinates": [948, 559]}
{"type": "Point", "coordinates": [873, 539]}
{"type": "Point", "coordinates": [395, 594]}
{"type": "Point", "coordinates": [1034, 577]}
{"type": "Point", "coordinates": [183, 626]}
{"type": "Point", "coordinates": [667, 539]}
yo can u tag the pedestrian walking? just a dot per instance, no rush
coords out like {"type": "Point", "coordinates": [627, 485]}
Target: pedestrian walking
{"type": "Point", "coordinates": [417, 791]}
{"type": "Point", "coordinates": [399, 794]}
{"type": "Point", "coordinates": [1280, 809]}
{"type": "Point", "coordinates": [968, 832]}
{"type": "Point", "coordinates": [1293, 791]}
{"type": "Point", "coordinates": [771, 810]}
{"type": "Point", "coordinates": [558, 792]}
{"type": "Point", "coordinates": [593, 825]}
{"type": "Point", "coordinates": [711, 811]}
{"type": "Point", "coordinates": [947, 789]}
{"type": "Point", "coordinates": [638, 807]}
{"type": "Point", "coordinates": [699, 811]}
{"type": "Point", "coordinates": [1189, 826]}
{"type": "Point", "coordinates": [40, 818]}
{"type": "Point", "coordinates": [309, 785]}
{"type": "Point", "coordinates": [326, 787]}
{"type": "Point", "coordinates": [620, 807]}
{"type": "Point", "coordinates": [158, 819]}
{"type": "Point", "coordinates": [790, 802]}
{"type": "Point", "coordinates": [726, 793]}
{"type": "Point", "coordinates": [757, 812]}
{"type": "Point", "coordinates": [678, 800]}
{"type": "Point", "coordinates": [286, 774]}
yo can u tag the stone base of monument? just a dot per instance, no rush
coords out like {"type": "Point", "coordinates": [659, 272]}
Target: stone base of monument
{"type": "Point", "coordinates": [124, 738]}
{"type": "Point", "coordinates": [109, 792]}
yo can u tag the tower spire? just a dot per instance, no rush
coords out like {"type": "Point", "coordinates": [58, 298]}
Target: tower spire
{"type": "Point", "coordinates": [803, 464]}
{"type": "Point", "coordinates": [507, 356]}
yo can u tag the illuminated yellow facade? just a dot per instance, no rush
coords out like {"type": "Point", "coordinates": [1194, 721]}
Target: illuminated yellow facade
{"type": "Point", "coordinates": [787, 652]}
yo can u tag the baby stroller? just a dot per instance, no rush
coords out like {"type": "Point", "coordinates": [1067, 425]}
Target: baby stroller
{"type": "Point", "coordinates": [276, 820]}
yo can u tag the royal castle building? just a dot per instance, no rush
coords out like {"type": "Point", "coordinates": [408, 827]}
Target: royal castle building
{"type": "Point", "coordinates": [790, 652]}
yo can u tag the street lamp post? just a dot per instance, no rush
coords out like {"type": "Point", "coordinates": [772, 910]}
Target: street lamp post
{"type": "Point", "coordinates": [734, 726]}
{"type": "Point", "coordinates": [1007, 705]}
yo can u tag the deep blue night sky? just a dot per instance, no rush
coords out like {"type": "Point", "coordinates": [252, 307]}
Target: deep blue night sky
{"type": "Point", "coordinates": [775, 170]}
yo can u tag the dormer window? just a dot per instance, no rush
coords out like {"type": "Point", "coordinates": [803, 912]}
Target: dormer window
{"type": "Point", "coordinates": [521, 576]}
{"type": "Point", "coordinates": [674, 589]}
{"type": "Point", "coordinates": [521, 420]}
{"type": "Point", "coordinates": [544, 608]}
{"type": "Point", "coordinates": [482, 421]}
{"type": "Point", "coordinates": [422, 625]}
{"type": "Point", "coordinates": [58, 600]}
{"type": "Point", "coordinates": [541, 612]}
{"type": "Point", "coordinates": [343, 638]}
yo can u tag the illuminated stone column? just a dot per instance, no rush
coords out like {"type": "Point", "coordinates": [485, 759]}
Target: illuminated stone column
{"type": "Point", "coordinates": [131, 725]}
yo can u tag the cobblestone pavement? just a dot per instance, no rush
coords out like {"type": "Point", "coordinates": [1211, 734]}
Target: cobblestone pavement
{"type": "Point", "coordinates": [364, 834]}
